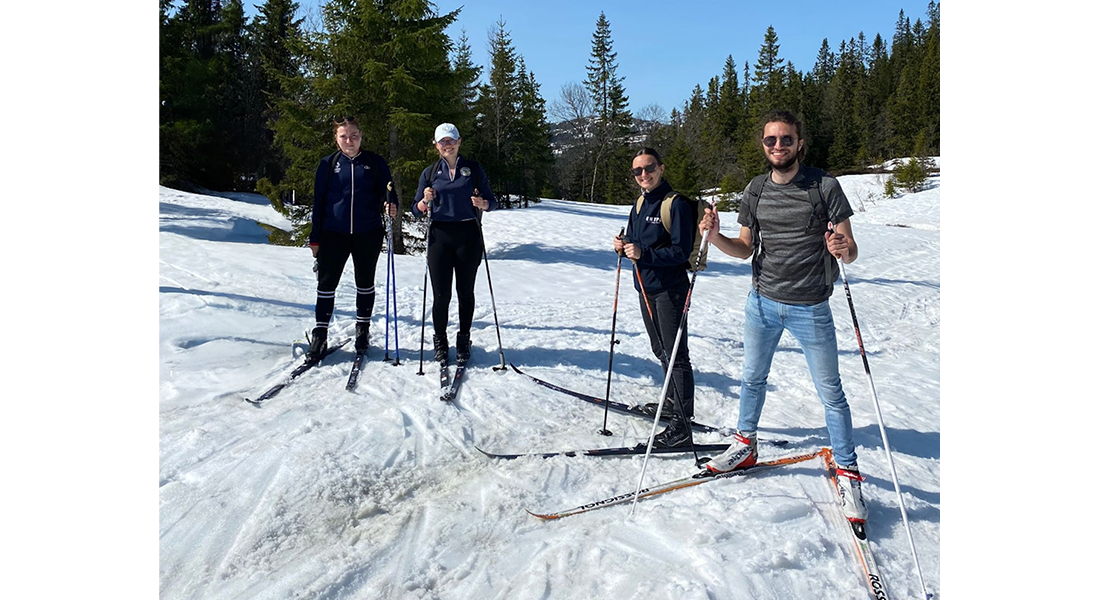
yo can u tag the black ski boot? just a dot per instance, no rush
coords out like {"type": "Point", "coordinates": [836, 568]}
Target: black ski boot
{"type": "Point", "coordinates": [676, 435]}
{"type": "Point", "coordinates": [666, 410]}
{"type": "Point", "coordinates": [442, 348]}
{"type": "Point", "coordinates": [462, 347]}
{"type": "Point", "coordinates": [362, 337]}
{"type": "Point", "coordinates": [317, 345]}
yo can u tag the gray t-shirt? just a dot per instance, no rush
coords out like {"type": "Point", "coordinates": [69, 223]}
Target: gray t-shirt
{"type": "Point", "coordinates": [792, 264]}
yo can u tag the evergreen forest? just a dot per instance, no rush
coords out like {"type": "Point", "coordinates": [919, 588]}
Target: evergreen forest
{"type": "Point", "coordinates": [248, 105]}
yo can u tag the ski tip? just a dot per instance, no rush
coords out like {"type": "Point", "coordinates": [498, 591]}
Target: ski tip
{"type": "Point", "coordinates": [542, 516]}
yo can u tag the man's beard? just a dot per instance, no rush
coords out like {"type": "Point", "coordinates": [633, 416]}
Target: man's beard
{"type": "Point", "coordinates": [785, 165]}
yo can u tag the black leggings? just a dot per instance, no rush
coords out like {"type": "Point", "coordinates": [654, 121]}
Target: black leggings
{"type": "Point", "coordinates": [364, 249]}
{"type": "Point", "coordinates": [668, 309]}
{"type": "Point", "coordinates": [454, 255]}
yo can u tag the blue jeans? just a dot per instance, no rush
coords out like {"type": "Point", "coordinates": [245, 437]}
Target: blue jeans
{"type": "Point", "coordinates": [812, 327]}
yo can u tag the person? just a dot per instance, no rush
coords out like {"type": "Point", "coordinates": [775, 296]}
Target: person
{"type": "Point", "coordinates": [794, 267]}
{"type": "Point", "coordinates": [660, 259]}
{"type": "Point", "coordinates": [348, 193]}
{"type": "Point", "coordinates": [454, 192]}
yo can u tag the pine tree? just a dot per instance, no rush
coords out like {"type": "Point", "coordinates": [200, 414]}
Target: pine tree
{"type": "Point", "coordinates": [928, 84]}
{"type": "Point", "coordinates": [533, 157]}
{"type": "Point", "coordinates": [467, 74]}
{"type": "Point", "coordinates": [612, 117]}
{"type": "Point", "coordinates": [384, 63]}
{"type": "Point", "coordinates": [203, 81]}
{"type": "Point", "coordinates": [769, 65]}
{"type": "Point", "coordinates": [276, 36]}
{"type": "Point", "coordinates": [497, 113]}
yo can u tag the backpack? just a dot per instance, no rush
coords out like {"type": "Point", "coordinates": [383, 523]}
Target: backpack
{"type": "Point", "coordinates": [697, 261]}
{"type": "Point", "coordinates": [819, 215]}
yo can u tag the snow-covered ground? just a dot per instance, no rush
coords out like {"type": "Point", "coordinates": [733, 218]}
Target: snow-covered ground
{"type": "Point", "coordinates": [381, 493]}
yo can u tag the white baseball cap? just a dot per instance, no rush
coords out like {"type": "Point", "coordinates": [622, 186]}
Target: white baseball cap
{"type": "Point", "coordinates": [446, 130]}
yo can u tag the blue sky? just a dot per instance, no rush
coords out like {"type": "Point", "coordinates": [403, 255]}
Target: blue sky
{"type": "Point", "coordinates": [666, 48]}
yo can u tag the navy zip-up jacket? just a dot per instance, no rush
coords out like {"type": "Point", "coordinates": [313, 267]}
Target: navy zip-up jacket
{"type": "Point", "coordinates": [348, 194]}
{"type": "Point", "coordinates": [452, 198]}
{"type": "Point", "coordinates": [663, 265]}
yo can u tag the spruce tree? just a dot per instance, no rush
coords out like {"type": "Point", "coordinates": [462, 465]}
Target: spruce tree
{"type": "Point", "coordinates": [388, 65]}
{"type": "Point", "coordinates": [497, 113]}
{"type": "Point", "coordinates": [769, 66]}
{"type": "Point", "coordinates": [612, 118]}
{"type": "Point", "coordinates": [276, 36]}
{"type": "Point", "coordinates": [533, 157]}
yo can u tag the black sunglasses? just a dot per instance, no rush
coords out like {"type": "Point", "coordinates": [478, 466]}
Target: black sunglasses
{"type": "Point", "coordinates": [637, 171]}
{"type": "Point", "coordinates": [785, 141]}
{"type": "Point", "coordinates": [343, 120]}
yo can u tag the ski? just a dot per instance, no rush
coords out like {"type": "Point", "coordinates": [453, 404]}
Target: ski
{"type": "Point", "coordinates": [623, 451]}
{"type": "Point", "coordinates": [451, 392]}
{"type": "Point", "coordinates": [444, 380]}
{"type": "Point", "coordinates": [693, 480]}
{"type": "Point", "coordinates": [356, 365]}
{"type": "Point", "coordinates": [859, 536]}
{"type": "Point", "coordinates": [302, 368]}
{"type": "Point", "coordinates": [626, 409]}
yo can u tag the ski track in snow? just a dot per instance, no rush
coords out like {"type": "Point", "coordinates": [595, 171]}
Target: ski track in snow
{"type": "Point", "coordinates": [380, 493]}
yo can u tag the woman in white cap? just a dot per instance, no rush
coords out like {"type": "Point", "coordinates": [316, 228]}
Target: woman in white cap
{"type": "Point", "coordinates": [456, 191]}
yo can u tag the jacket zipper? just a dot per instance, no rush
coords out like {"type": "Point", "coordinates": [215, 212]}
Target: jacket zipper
{"type": "Point", "coordinates": [351, 224]}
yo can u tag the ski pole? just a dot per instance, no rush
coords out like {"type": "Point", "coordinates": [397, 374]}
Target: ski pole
{"type": "Point", "coordinates": [389, 260]}
{"type": "Point", "coordinates": [611, 353]}
{"type": "Point", "coordinates": [881, 425]}
{"type": "Point", "coordinates": [424, 306]}
{"type": "Point", "coordinates": [668, 375]}
{"type": "Point", "coordinates": [485, 253]}
{"type": "Point", "coordinates": [393, 270]}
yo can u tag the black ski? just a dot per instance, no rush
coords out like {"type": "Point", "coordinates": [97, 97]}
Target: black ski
{"type": "Point", "coordinates": [353, 377]}
{"type": "Point", "coordinates": [623, 451]}
{"type": "Point", "coordinates": [626, 409]}
{"type": "Point", "coordinates": [452, 391]}
{"type": "Point", "coordinates": [302, 368]}
{"type": "Point", "coordinates": [444, 380]}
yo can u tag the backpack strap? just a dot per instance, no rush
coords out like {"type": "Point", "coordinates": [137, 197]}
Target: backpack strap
{"type": "Point", "coordinates": [820, 209]}
{"type": "Point", "coordinates": [817, 199]}
{"type": "Point", "coordinates": [752, 200]}
{"type": "Point", "coordinates": [666, 210]}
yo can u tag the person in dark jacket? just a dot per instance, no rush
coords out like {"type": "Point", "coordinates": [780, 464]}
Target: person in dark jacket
{"type": "Point", "coordinates": [660, 259]}
{"type": "Point", "coordinates": [454, 192]}
{"type": "Point", "coordinates": [348, 193]}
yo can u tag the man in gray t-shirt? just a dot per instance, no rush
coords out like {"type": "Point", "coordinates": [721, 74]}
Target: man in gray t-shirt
{"type": "Point", "coordinates": [794, 266]}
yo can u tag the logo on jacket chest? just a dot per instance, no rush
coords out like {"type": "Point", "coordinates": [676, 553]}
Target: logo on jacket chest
{"type": "Point", "coordinates": [653, 220]}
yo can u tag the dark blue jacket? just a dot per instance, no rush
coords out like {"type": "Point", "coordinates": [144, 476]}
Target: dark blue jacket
{"type": "Point", "coordinates": [663, 265]}
{"type": "Point", "coordinates": [452, 198]}
{"type": "Point", "coordinates": [348, 194]}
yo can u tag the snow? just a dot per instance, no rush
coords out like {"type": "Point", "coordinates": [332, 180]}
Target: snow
{"type": "Point", "coordinates": [381, 493]}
